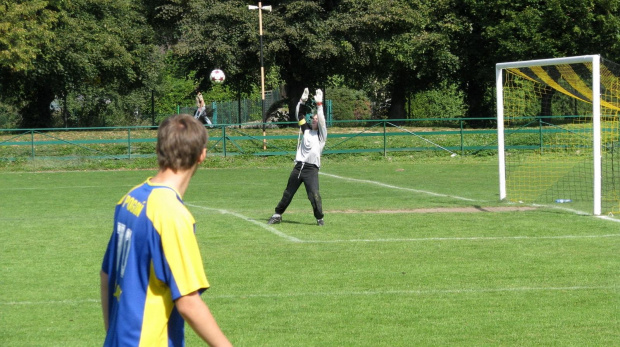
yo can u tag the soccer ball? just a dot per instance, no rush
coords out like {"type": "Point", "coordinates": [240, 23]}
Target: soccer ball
{"type": "Point", "coordinates": [217, 76]}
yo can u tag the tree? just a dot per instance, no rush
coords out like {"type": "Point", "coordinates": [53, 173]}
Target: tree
{"type": "Point", "coordinates": [405, 43]}
{"type": "Point", "coordinates": [301, 44]}
{"type": "Point", "coordinates": [309, 41]}
{"type": "Point", "coordinates": [216, 34]}
{"type": "Point", "coordinates": [503, 31]}
{"type": "Point", "coordinates": [226, 35]}
{"type": "Point", "coordinates": [24, 30]}
{"type": "Point", "coordinates": [91, 45]}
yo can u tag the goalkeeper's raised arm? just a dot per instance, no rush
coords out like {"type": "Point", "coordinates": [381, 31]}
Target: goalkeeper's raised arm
{"type": "Point", "coordinates": [321, 125]}
{"type": "Point", "coordinates": [301, 117]}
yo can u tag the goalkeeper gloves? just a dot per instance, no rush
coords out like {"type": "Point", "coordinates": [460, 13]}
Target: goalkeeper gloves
{"type": "Point", "coordinates": [304, 96]}
{"type": "Point", "coordinates": [318, 97]}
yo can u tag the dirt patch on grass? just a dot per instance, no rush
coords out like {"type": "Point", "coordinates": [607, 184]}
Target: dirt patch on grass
{"type": "Point", "coordinates": [468, 209]}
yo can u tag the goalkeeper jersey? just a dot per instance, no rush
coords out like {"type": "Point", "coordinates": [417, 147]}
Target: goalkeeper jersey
{"type": "Point", "coordinates": [152, 259]}
{"type": "Point", "coordinates": [310, 143]}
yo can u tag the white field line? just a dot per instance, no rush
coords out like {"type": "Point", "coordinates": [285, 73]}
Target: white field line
{"type": "Point", "coordinates": [294, 239]}
{"type": "Point", "coordinates": [611, 219]}
{"type": "Point", "coordinates": [261, 224]}
{"type": "Point", "coordinates": [421, 239]}
{"type": "Point", "coordinates": [392, 292]}
{"type": "Point", "coordinates": [564, 208]}
{"type": "Point", "coordinates": [396, 187]}
{"type": "Point", "coordinates": [359, 293]}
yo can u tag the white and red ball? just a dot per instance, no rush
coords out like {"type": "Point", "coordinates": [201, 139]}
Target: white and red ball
{"type": "Point", "coordinates": [217, 76]}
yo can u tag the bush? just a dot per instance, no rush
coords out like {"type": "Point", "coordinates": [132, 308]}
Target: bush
{"type": "Point", "coordinates": [446, 101]}
{"type": "Point", "coordinates": [349, 104]}
{"type": "Point", "coordinates": [9, 117]}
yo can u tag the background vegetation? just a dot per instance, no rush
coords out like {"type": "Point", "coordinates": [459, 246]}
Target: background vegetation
{"type": "Point", "coordinates": [120, 62]}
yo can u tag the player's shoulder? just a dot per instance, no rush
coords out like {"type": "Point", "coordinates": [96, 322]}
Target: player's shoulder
{"type": "Point", "coordinates": [136, 191]}
{"type": "Point", "coordinates": [165, 200]}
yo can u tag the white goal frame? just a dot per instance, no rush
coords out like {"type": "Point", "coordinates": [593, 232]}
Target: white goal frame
{"type": "Point", "coordinates": [596, 117]}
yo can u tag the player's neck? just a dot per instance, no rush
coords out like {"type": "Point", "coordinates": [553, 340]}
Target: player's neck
{"type": "Point", "coordinates": [178, 180]}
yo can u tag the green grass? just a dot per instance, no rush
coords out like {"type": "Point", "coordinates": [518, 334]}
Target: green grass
{"type": "Point", "coordinates": [368, 278]}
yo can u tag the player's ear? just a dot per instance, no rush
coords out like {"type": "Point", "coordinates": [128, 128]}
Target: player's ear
{"type": "Point", "coordinates": [203, 156]}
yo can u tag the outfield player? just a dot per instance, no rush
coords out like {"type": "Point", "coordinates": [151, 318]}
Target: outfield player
{"type": "Point", "coordinates": [152, 273]}
{"type": "Point", "coordinates": [307, 160]}
{"type": "Point", "coordinates": [201, 111]}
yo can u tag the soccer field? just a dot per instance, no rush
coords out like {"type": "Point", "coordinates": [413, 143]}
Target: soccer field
{"type": "Point", "coordinates": [411, 254]}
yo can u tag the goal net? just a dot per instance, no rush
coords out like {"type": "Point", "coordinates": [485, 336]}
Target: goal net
{"type": "Point", "coordinates": [558, 132]}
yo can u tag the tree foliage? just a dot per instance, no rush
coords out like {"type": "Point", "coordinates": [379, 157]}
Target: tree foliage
{"type": "Point", "coordinates": [405, 43]}
{"type": "Point", "coordinates": [523, 30]}
{"type": "Point", "coordinates": [226, 35]}
{"type": "Point", "coordinates": [107, 57]}
{"type": "Point", "coordinates": [25, 28]}
{"type": "Point", "coordinates": [91, 46]}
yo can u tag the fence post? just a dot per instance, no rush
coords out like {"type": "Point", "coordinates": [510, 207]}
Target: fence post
{"type": "Point", "coordinates": [462, 140]}
{"type": "Point", "coordinates": [540, 134]}
{"type": "Point", "coordinates": [153, 107]}
{"type": "Point", "coordinates": [224, 139]}
{"type": "Point", "coordinates": [129, 142]}
{"type": "Point", "coordinates": [32, 143]}
{"type": "Point", "coordinates": [328, 104]}
{"type": "Point", "coordinates": [214, 107]}
{"type": "Point", "coordinates": [384, 139]}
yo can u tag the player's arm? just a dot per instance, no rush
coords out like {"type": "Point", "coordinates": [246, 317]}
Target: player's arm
{"type": "Point", "coordinates": [197, 314]}
{"type": "Point", "coordinates": [322, 126]}
{"type": "Point", "coordinates": [104, 299]}
{"type": "Point", "coordinates": [301, 118]}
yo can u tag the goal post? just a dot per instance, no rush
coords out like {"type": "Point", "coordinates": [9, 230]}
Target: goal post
{"type": "Point", "coordinates": [557, 132]}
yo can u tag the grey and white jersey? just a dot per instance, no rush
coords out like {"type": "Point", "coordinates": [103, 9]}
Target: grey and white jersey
{"type": "Point", "coordinates": [311, 142]}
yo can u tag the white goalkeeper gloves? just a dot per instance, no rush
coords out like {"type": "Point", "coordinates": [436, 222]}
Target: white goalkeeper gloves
{"type": "Point", "coordinates": [318, 97]}
{"type": "Point", "coordinates": [304, 96]}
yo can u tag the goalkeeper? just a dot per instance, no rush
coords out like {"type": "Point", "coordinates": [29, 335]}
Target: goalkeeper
{"type": "Point", "coordinates": [313, 133]}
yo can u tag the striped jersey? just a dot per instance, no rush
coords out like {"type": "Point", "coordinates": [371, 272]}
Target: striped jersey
{"type": "Point", "coordinates": [152, 259]}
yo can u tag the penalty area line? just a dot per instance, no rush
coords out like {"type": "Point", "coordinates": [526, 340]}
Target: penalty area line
{"type": "Point", "coordinates": [607, 218]}
{"type": "Point", "coordinates": [253, 221]}
{"type": "Point", "coordinates": [421, 239]}
{"type": "Point", "coordinates": [396, 187]}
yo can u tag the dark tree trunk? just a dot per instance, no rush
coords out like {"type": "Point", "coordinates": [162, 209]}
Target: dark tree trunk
{"type": "Point", "coordinates": [546, 110]}
{"type": "Point", "coordinates": [474, 94]}
{"type": "Point", "coordinates": [37, 113]}
{"type": "Point", "coordinates": [399, 100]}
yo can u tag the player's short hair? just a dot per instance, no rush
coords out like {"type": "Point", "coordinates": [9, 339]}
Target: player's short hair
{"type": "Point", "coordinates": [180, 141]}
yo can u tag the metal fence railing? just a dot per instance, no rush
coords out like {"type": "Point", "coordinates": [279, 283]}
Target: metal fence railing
{"type": "Point", "coordinates": [380, 136]}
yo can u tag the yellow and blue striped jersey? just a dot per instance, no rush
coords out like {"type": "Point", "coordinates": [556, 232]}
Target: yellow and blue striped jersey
{"type": "Point", "coordinates": [152, 259]}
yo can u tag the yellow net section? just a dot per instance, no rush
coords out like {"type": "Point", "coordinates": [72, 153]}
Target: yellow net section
{"type": "Point", "coordinates": [549, 135]}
